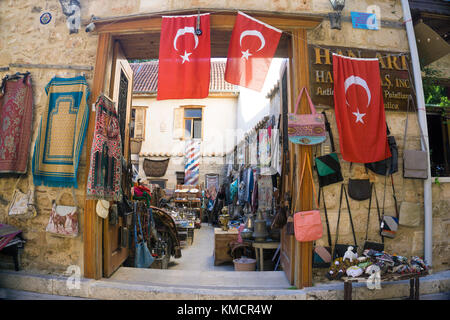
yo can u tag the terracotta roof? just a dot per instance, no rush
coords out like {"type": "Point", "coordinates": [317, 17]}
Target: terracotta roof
{"type": "Point", "coordinates": [146, 77]}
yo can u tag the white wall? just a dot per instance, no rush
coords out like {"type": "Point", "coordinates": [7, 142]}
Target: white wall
{"type": "Point", "coordinates": [253, 105]}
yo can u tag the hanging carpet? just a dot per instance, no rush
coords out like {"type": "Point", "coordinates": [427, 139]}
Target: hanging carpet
{"type": "Point", "coordinates": [61, 133]}
{"type": "Point", "coordinates": [155, 168]}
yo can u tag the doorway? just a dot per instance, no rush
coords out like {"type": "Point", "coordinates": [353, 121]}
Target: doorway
{"type": "Point", "coordinates": [139, 38]}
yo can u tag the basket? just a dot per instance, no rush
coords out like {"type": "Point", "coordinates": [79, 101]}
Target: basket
{"type": "Point", "coordinates": [155, 168]}
{"type": "Point", "coordinates": [244, 264]}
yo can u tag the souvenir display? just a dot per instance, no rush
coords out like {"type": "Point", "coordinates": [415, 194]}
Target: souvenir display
{"type": "Point", "coordinates": [306, 129]}
{"type": "Point", "coordinates": [61, 133]}
{"type": "Point", "coordinates": [105, 170]}
{"type": "Point", "coordinates": [16, 118]}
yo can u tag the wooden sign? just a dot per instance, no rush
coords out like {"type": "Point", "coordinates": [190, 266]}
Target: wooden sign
{"type": "Point", "coordinates": [393, 70]}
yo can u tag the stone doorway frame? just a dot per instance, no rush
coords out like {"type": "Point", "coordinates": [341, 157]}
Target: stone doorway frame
{"type": "Point", "coordinates": [300, 273]}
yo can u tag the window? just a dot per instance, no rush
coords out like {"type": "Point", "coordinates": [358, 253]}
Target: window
{"type": "Point", "coordinates": [137, 123]}
{"type": "Point", "coordinates": [438, 132]}
{"type": "Point", "coordinates": [193, 123]}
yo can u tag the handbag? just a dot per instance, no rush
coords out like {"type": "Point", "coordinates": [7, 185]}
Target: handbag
{"type": "Point", "coordinates": [327, 166]}
{"type": "Point", "coordinates": [63, 220]}
{"type": "Point", "coordinates": [290, 219]}
{"type": "Point", "coordinates": [340, 249]}
{"type": "Point", "coordinates": [308, 224]}
{"type": "Point", "coordinates": [377, 246]}
{"type": "Point", "coordinates": [359, 189]}
{"type": "Point", "coordinates": [415, 162]}
{"type": "Point", "coordinates": [306, 129]}
{"type": "Point", "coordinates": [387, 166]}
{"type": "Point", "coordinates": [389, 224]}
{"type": "Point", "coordinates": [142, 257]}
{"type": "Point", "coordinates": [22, 204]}
{"type": "Point", "coordinates": [321, 254]}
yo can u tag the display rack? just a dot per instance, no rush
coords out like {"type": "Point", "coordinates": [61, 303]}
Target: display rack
{"type": "Point", "coordinates": [189, 198]}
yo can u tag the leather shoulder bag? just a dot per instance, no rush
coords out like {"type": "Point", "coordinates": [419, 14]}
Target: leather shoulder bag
{"type": "Point", "coordinates": [387, 166]}
{"type": "Point", "coordinates": [415, 162]}
{"type": "Point", "coordinates": [340, 249]}
{"type": "Point", "coordinates": [327, 166]}
{"type": "Point", "coordinates": [358, 189]}
{"type": "Point", "coordinates": [377, 246]}
{"type": "Point", "coordinates": [308, 224]}
{"type": "Point", "coordinates": [143, 257]}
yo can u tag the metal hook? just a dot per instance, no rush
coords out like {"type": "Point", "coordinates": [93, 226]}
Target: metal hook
{"type": "Point", "coordinates": [198, 31]}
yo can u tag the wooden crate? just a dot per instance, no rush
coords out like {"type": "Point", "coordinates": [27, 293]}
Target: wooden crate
{"type": "Point", "coordinates": [222, 251]}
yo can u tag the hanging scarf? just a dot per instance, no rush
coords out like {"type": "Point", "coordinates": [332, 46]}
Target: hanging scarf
{"type": "Point", "coordinates": [16, 117]}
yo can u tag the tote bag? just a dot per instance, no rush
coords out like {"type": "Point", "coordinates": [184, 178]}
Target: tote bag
{"type": "Point", "coordinates": [308, 224]}
{"type": "Point", "coordinates": [306, 129]}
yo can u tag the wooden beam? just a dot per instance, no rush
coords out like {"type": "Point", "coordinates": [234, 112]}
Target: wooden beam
{"type": "Point", "coordinates": [92, 233]}
{"type": "Point", "coordinates": [221, 21]}
{"type": "Point", "coordinates": [303, 250]}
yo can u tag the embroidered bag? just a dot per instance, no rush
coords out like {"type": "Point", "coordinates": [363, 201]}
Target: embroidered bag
{"type": "Point", "coordinates": [22, 204]}
{"type": "Point", "coordinates": [306, 129]}
{"type": "Point", "coordinates": [308, 224]}
{"type": "Point", "coordinates": [63, 219]}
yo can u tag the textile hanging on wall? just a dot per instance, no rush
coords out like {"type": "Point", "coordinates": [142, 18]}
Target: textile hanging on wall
{"type": "Point", "coordinates": [253, 149]}
{"type": "Point", "coordinates": [105, 172]}
{"type": "Point", "coordinates": [264, 150]}
{"type": "Point", "coordinates": [265, 192]}
{"type": "Point", "coordinates": [192, 162]}
{"type": "Point", "coordinates": [16, 118]}
{"type": "Point", "coordinates": [212, 185]}
{"type": "Point", "coordinates": [61, 133]}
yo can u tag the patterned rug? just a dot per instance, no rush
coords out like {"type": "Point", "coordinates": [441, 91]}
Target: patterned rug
{"type": "Point", "coordinates": [105, 172]}
{"type": "Point", "coordinates": [16, 116]}
{"type": "Point", "coordinates": [61, 133]}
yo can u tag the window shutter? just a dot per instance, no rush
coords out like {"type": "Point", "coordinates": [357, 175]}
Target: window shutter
{"type": "Point", "coordinates": [178, 117]}
{"type": "Point", "coordinates": [139, 124]}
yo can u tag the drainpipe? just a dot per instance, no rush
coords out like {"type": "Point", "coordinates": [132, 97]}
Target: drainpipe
{"type": "Point", "coordinates": [427, 194]}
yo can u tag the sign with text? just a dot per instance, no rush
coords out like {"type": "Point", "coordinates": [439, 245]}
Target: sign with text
{"type": "Point", "coordinates": [393, 69]}
{"type": "Point", "coordinates": [363, 20]}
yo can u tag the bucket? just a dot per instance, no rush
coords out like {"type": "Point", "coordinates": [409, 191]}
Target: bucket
{"type": "Point", "coordinates": [244, 264]}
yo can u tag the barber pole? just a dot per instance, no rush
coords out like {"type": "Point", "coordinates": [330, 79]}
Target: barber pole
{"type": "Point", "coordinates": [192, 160]}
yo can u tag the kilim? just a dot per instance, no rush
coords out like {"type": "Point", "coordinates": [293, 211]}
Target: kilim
{"type": "Point", "coordinates": [192, 162]}
{"type": "Point", "coordinates": [61, 133]}
{"type": "Point", "coordinates": [105, 171]}
{"type": "Point", "coordinates": [16, 116]}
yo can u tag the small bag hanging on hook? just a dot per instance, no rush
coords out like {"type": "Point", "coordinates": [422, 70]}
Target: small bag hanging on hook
{"type": "Point", "coordinates": [63, 220]}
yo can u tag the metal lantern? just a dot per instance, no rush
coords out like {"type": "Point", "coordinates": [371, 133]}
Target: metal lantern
{"type": "Point", "coordinates": [335, 17]}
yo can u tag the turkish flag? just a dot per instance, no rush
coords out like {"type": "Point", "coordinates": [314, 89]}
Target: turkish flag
{"type": "Point", "coordinates": [184, 58]}
{"type": "Point", "coordinates": [359, 108]}
{"type": "Point", "coordinates": [252, 47]}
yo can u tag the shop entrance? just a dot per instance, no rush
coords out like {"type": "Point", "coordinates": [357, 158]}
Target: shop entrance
{"type": "Point", "coordinates": [138, 38]}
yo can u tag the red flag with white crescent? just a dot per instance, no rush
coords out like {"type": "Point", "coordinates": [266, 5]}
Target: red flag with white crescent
{"type": "Point", "coordinates": [359, 109]}
{"type": "Point", "coordinates": [252, 47]}
{"type": "Point", "coordinates": [184, 58]}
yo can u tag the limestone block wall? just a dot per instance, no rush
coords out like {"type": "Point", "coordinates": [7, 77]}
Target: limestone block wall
{"type": "Point", "coordinates": [24, 40]}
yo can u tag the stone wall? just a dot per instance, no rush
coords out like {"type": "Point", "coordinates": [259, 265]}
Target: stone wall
{"type": "Point", "coordinates": [24, 40]}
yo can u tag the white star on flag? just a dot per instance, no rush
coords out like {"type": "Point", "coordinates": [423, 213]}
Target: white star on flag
{"type": "Point", "coordinates": [359, 116]}
{"type": "Point", "coordinates": [245, 54]}
{"type": "Point", "coordinates": [185, 57]}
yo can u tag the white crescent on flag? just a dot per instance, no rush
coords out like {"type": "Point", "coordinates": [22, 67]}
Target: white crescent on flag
{"type": "Point", "coordinates": [182, 32]}
{"type": "Point", "coordinates": [255, 33]}
{"type": "Point", "coordinates": [360, 82]}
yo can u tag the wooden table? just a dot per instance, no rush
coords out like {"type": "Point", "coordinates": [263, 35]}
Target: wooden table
{"type": "Point", "coordinates": [222, 251]}
{"type": "Point", "coordinates": [414, 283]}
{"type": "Point", "coordinates": [259, 249]}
